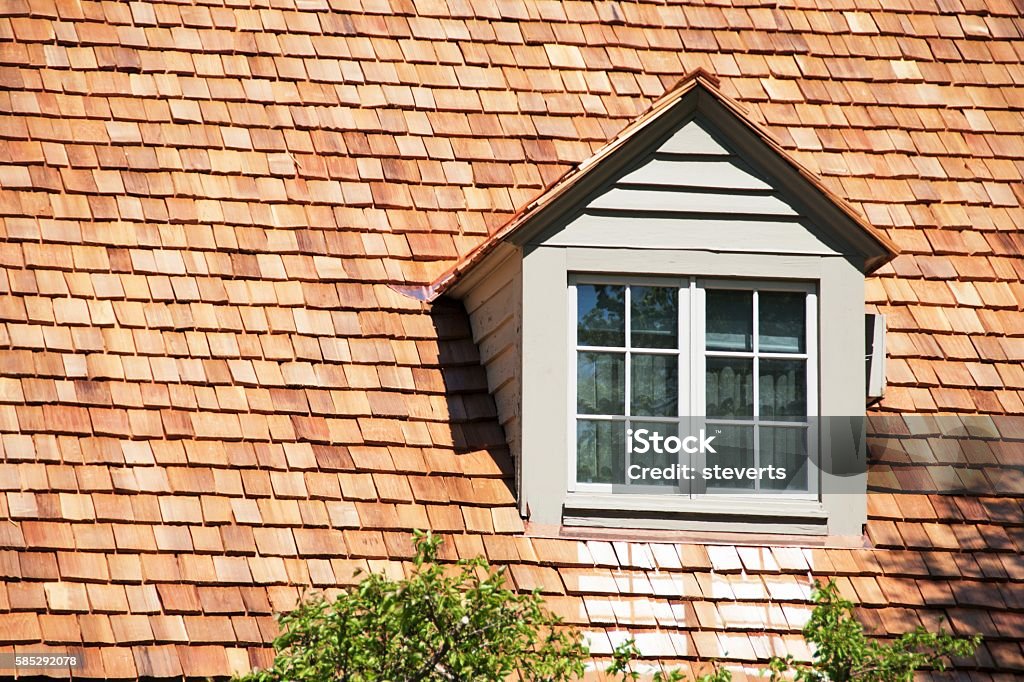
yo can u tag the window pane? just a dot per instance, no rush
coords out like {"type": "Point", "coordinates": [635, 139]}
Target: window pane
{"type": "Point", "coordinates": [601, 383]}
{"type": "Point", "coordinates": [729, 320]}
{"type": "Point", "coordinates": [600, 451]}
{"type": "Point", "coordinates": [729, 387]}
{"type": "Point", "coordinates": [601, 315]}
{"type": "Point", "coordinates": [782, 323]}
{"type": "Point", "coordinates": [652, 458]}
{"type": "Point", "coordinates": [785, 448]}
{"type": "Point", "coordinates": [734, 449]}
{"type": "Point", "coordinates": [782, 388]}
{"type": "Point", "coordinates": [655, 385]}
{"type": "Point", "coordinates": [654, 317]}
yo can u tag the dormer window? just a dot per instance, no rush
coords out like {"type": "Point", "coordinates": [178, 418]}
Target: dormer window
{"type": "Point", "coordinates": [729, 365]}
{"type": "Point", "coordinates": [688, 298]}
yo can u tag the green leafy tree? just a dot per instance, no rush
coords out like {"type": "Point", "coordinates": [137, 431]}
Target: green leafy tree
{"type": "Point", "coordinates": [456, 622]}
{"type": "Point", "coordinates": [842, 652]}
{"type": "Point", "coordinates": [460, 623]}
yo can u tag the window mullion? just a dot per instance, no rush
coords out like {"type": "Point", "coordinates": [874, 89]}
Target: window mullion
{"type": "Point", "coordinates": [811, 372]}
{"type": "Point", "coordinates": [628, 379]}
{"type": "Point", "coordinates": [756, 408]}
{"type": "Point", "coordinates": [573, 367]}
{"type": "Point", "coordinates": [683, 371]}
{"type": "Point", "coordinates": [698, 382]}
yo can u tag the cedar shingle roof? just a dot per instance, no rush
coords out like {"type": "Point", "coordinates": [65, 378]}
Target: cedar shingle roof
{"type": "Point", "coordinates": [211, 399]}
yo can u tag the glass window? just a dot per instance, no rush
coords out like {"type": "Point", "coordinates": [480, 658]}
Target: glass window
{"type": "Point", "coordinates": [730, 325]}
{"type": "Point", "coordinates": [627, 367]}
{"type": "Point", "coordinates": [601, 315]}
{"type": "Point", "coordinates": [653, 358]}
{"type": "Point", "coordinates": [755, 370]}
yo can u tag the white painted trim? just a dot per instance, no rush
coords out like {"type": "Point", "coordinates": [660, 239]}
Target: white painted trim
{"type": "Point", "coordinates": [684, 373]}
{"type": "Point", "coordinates": [813, 404]}
{"type": "Point", "coordinates": [572, 363]}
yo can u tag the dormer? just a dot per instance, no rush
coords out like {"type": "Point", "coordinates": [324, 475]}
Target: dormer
{"type": "Point", "coordinates": [690, 296]}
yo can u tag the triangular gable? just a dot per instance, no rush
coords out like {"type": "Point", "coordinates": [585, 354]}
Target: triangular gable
{"type": "Point", "coordinates": [692, 159]}
{"type": "Point", "coordinates": [673, 123]}
{"type": "Point", "coordinates": [694, 140]}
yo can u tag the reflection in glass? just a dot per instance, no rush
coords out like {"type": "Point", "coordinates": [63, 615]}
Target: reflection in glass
{"type": "Point", "coordinates": [734, 447]}
{"type": "Point", "coordinates": [730, 320]}
{"type": "Point", "coordinates": [785, 447]}
{"type": "Point", "coordinates": [601, 383]}
{"type": "Point", "coordinates": [600, 451]}
{"type": "Point", "coordinates": [782, 389]}
{"type": "Point", "coordinates": [654, 317]}
{"type": "Point", "coordinates": [782, 322]}
{"type": "Point", "coordinates": [654, 385]}
{"type": "Point", "coordinates": [729, 387]}
{"type": "Point", "coordinates": [601, 316]}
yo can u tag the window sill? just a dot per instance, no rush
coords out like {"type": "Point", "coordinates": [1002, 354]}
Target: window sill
{"type": "Point", "coordinates": [727, 513]}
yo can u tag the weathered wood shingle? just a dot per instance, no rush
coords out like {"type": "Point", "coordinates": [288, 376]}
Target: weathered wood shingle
{"type": "Point", "coordinates": [210, 398]}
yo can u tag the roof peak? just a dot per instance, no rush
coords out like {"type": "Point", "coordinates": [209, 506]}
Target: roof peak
{"type": "Point", "coordinates": [700, 73]}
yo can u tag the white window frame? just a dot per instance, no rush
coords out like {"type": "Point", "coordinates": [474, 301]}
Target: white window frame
{"type": "Point", "coordinates": [810, 355]}
{"type": "Point", "coordinates": [692, 354]}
